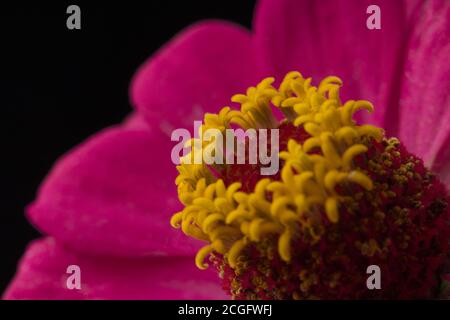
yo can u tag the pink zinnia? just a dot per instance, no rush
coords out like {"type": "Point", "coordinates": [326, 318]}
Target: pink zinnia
{"type": "Point", "coordinates": [106, 205]}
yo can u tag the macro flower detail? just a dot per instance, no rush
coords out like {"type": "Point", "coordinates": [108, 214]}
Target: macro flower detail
{"type": "Point", "coordinates": [347, 197]}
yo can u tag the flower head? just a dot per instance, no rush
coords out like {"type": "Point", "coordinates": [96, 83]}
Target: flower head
{"type": "Point", "coordinates": [342, 199]}
{"type": "Point", "coordinates": [347, 198]}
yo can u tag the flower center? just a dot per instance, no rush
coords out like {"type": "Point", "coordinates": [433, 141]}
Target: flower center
{"type": "Point", "coordinates": [346, 198]}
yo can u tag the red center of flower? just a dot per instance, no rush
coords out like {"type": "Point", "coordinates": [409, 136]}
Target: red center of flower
{"type": "Point", "coordinates": [400, 226]}
{"type": "Point", "coordinates": [250, 174]}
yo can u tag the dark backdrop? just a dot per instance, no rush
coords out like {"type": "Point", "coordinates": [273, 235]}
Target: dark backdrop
{"type": "Point", "coordinates": [59, 86]}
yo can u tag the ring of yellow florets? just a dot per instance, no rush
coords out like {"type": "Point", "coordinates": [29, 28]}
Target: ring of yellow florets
{"type": "Point", "coordinates": [230, 219]}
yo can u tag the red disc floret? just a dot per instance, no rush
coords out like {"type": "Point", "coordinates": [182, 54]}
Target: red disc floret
{"type": "Point", "coordinates": [401, 226]}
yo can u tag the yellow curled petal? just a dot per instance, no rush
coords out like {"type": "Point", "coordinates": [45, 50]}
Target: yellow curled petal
{"type": "Point", "coordinates": [362, 104]}
{"type": "Point", "coordinates": [303, 178]}
{"type": "Point", "coordinates": [289, 102]}
{"type": "Point", "coordinates": [293, 75]}
{"type": "Point", "coordinates": [253, 230]}
{"type": "Point", "coordinates": [266, 82]}
{"type": "Point", "coordinates": [361, 179]}
{"type": "Point", "coordinates": [287, 217]}
{"type": "Point", "coordinates": [300, 120]}
{"type": "Point", "coordinates": [259, 204]}
{"type": "Point", "coordinates": [351, 153]}
{"type": "Point", "coordinates": [277, 187]}
{"type": "Point", "coordinates": [346, 134]}
{"type": "Point", "coordinates": [204, 203]}
{"type": "Point", "coordinates": [260, 188]}
{"type": "Point", "coordinates": [211, 220]}
{"type": "Point", "coordinates": [219, 246]}
{"type": "Point", "coordinates": [186, 224]}
{"type": "Point", "coordinates": [320, 172]}
{"type": "Point", "coordinates": [241, 197]}
{"type": "Point", "coordinates": [301, 109]}
{"type": "Point", "coordinates": [236, 214]}
{"type": "Point", "coordinates": [223, 205]}
{"type": "Point", "coordinates": [332, 80]}
{"type": "Point", "coordinates": [331, 208]}
{"type": "Point", "coordinates": [329, 149]}
{"type": "Point", "coordinates": [312, 143]}
{"type": "Point", "coordinates": [300, 202]}
{"type": "Point", "coordinates": [176, 219]}
{"type": "Point", "coordinates": [210, 190]}
{"type": "Point", "coordinates": [201, 256]}
{"type": "Point", "coordinates": [239, 98]}
{"type": "Point", "coordinates": [370, 131]}
{"type": "Point", "coordinates": [327, 105]}
{"type": "Point", "coordinates": [313, 129]}
{"type": "Point", "coordinates": [347, 112]}
{"type": "Point", "coordinates": [284, 245]}
{"type": "Point", "coordinates": [316, 100]}
{"type": "Point", "coordinates": [297, 87]}
{"type": "Point", "coordinates": [307, 84]}
{"type": "Point", "coordinates": [232, 190]}
{"type": "Point", "coordinates": [331, 119]}
{"type": "Point", "coordinates": [330, 180]}
{"type": "Point", "coordinates": [220, 188]}
{"type": "Point", "coordinates": [277, 100]}
{"type": "Point", "coordinates": [235, 252]}
{"type": "Point", "coordinates": [278, 205]}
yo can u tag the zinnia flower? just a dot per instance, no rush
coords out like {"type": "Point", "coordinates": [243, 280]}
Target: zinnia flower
{"type": "Point", "coordinates": [348, 194]}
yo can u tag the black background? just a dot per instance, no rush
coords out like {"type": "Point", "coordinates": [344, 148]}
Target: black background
{"type": "Point", "coordinates": [59, 86]}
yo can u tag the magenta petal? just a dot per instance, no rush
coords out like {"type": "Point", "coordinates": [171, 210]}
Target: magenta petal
{"type": "Point", "coordinates": [425, 100]}
{"type": "Point", "coordinates": [136, 121]}
{"type": "Point", "coordinates": [42, 274]}
{"type": "Point", "coordinates": [198, 71]}
{"type": "Point", "coordinates": [330, 37]}
{"type": "Point", "coordinates": [114, 194]}
{"type": "Point", "coordinates": [441, 160]}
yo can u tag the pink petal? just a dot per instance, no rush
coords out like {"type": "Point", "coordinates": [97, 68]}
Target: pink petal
{"type": "Point", "coordinates": [441, 162]}
{"type": "Point", "coordinates": [330, 37]}
{"type": "Point", "coordinates": [425, 96]}
{"type": "Point", "coordinates": [114, 194]}
{"type": "Point", "coordinates": [198, 71]}
{"type": "Point", "coordinates": [136, 121]}
{"type": "Point", "coordinates": [42, 274]}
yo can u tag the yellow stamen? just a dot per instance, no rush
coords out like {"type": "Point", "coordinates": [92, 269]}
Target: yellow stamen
{"type": "Point", "coordinates": [230, 219]}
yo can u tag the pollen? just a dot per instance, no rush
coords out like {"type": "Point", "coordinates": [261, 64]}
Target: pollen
{"type": "Point", "coordinates": [346, 196]}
